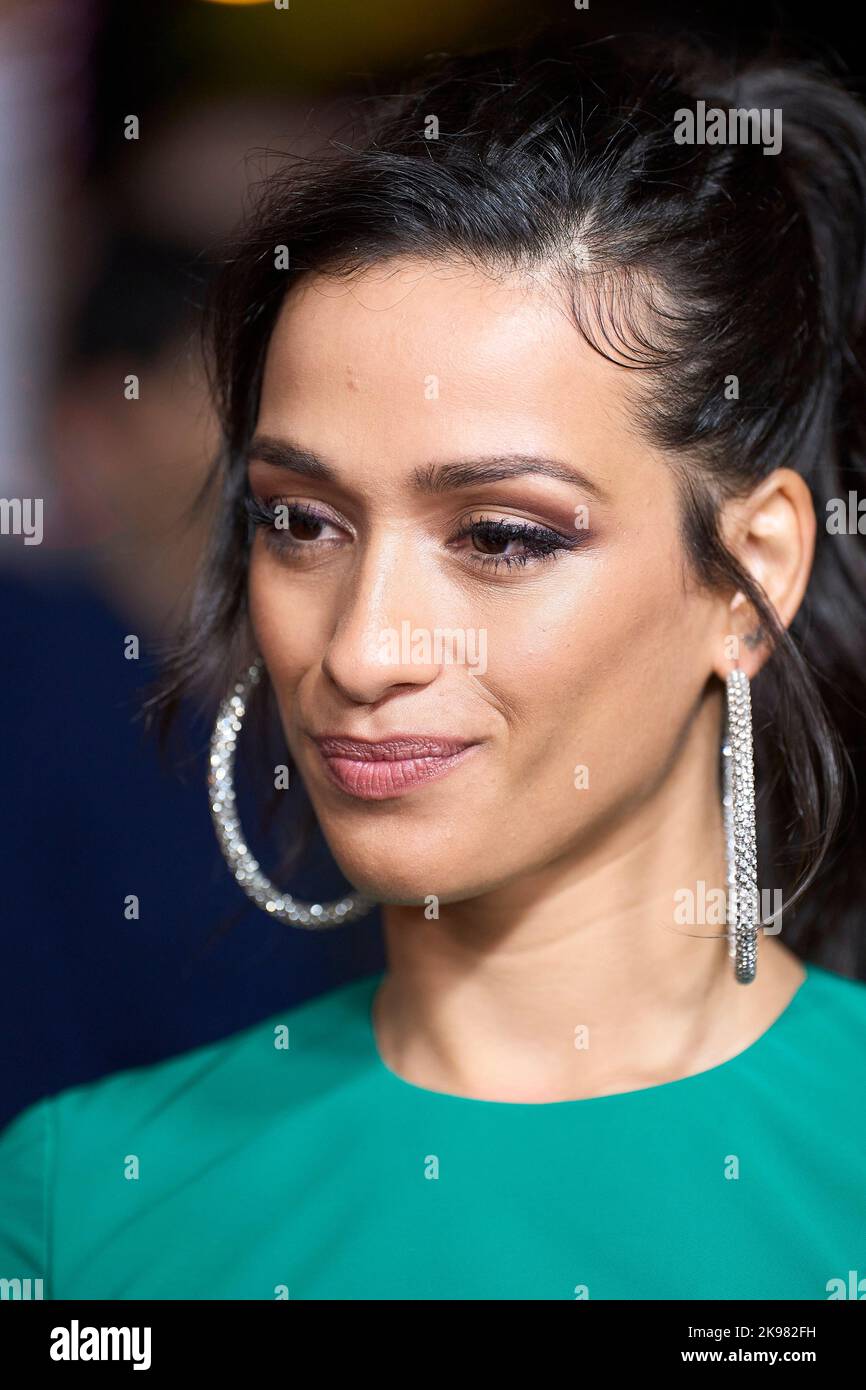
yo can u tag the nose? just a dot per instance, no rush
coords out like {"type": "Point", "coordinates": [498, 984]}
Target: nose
{"type": "Point", "coordinates": [383, 636]}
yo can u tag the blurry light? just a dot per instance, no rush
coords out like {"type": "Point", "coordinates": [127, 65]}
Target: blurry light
{"type": "Point", "coordinates": [240, 2]}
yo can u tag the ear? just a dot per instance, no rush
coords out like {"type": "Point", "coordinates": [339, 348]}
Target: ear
{"type": "Point", "coordinates": [772, 534]}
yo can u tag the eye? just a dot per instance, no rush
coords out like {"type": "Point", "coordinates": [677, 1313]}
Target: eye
{"type": "Point", "coordinates": [492, 538]}
{"type": "Point", "coordinates": [296, 529]}
{"type": "Point", "coordinates": [290, 527]}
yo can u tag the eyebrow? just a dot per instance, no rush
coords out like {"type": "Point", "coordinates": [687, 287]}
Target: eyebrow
{"type": "Point", "coordinates": [428, 478]}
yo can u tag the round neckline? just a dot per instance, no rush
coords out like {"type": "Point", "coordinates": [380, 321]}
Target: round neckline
{"type": "Point", "coordinates": [780, 1023]}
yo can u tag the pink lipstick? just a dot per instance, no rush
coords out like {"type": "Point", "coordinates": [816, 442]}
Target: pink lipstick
{"type": "Point", "coordinates": [381, 768]}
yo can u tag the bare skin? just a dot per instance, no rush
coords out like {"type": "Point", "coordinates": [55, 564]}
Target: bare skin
{"type": "Point", "coordinates": [555, 901]}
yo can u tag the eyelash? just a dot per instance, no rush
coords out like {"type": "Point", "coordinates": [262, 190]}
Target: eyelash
{"type": "Point", "coordinates": [542, 544]}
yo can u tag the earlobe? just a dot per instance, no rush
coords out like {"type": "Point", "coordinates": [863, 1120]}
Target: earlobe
{"type": "Point", "coordinates": [755, 639]}
{"type": "Point", "coordinates": [744, 643]}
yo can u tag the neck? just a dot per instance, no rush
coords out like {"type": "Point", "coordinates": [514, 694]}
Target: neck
{"type": "Point", "coordinates": [581, 978]}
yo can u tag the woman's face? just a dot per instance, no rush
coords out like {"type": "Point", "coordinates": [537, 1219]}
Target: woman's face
{"type": "Point", "coordinates": [397, 598]}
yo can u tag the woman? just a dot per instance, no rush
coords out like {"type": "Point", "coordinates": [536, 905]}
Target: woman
{"type": "Point", "coordinates": [533, 415]}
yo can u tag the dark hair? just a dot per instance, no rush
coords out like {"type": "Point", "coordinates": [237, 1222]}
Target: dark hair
{"type": "Point", "coordinates": [698, 262]}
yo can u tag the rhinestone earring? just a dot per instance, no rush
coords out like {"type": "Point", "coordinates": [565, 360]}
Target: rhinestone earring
{"type": "Point", "coordinates": [246, 870]}
{"type": "Point", "coordinates": [739, 813]}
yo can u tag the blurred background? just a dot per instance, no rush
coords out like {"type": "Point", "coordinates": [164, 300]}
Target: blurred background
{"type": "Point", "coordinates": [129, 134]}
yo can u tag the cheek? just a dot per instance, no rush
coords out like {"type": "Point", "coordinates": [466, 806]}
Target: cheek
{"type": "Point", "coordinates": [287, 628]}
{"type": "Point", "coordinates": [601, 680]}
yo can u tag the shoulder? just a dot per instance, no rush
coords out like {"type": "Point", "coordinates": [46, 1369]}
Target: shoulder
{"type": "Point", "coordinates": [828, 1034]}
{"type": "Point", "coordinates": [838, 1000]}
{"type": "Point", "coordinates": [204, 1097]}
{"type": "Point", "coordinates": [310, 1031]}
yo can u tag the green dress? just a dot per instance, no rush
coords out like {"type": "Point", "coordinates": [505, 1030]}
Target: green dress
{"type": "Point", "coordinates": [287, 1161]}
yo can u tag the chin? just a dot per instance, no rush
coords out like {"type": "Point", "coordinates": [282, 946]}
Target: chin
{"type": "Point", "coordinates": [395, 873]}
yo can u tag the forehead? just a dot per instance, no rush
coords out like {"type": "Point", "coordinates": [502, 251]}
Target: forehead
{"type": "Point", "coordinates": [400, 323]}
{"type": "Point", "coordinates": [412, 360]}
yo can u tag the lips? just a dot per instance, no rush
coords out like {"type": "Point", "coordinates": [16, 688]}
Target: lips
{"type": "Point", "coordinates": [390, 749]}
{"type": "Point", "coordinates": [381, 768]}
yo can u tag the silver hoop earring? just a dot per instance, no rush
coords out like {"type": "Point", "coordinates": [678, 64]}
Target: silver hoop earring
{"type": "Point", "coordinates": [739, 812]}
{"type": "Point", "coordinates": [246, 870]}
